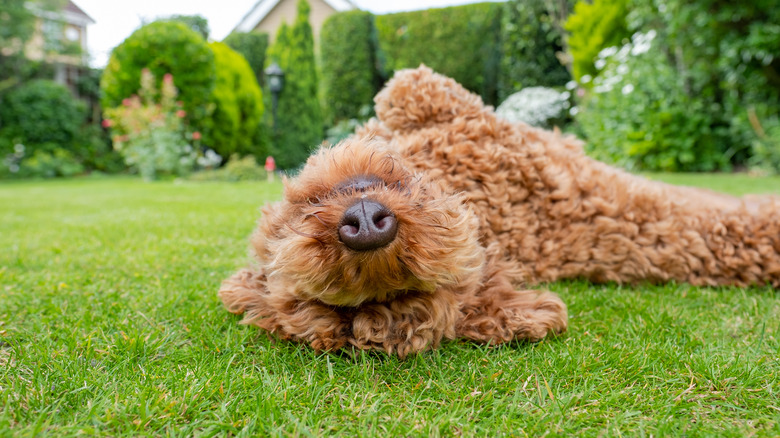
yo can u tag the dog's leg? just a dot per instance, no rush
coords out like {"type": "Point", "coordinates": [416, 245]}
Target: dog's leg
{"type": "Point", "coordinates": [406, 325]}
{"type": "Point", "coordinates": [499, 313]}
{"type": "Point", "coordinates": [283, 314]}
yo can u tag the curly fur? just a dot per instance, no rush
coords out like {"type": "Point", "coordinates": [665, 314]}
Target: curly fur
{"type": "Point", "coordinates": [484, 206]}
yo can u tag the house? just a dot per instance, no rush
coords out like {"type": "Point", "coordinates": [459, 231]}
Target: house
{"type": "Point", "coordinates": [60, 40]}
{"type": "Point", "coordinates": [268, 15]}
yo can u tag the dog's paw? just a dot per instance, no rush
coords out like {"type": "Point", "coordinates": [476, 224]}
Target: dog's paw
{"type": "Point", "coordinates": [546, 315]}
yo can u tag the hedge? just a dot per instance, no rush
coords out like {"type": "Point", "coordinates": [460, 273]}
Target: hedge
{"type": "Point", "coordinates": [234, 126]}
{"type": "Point", "coordinates": [461, 42]}
{"type": "Point", "coordinates": [253, 46]}
{"type": "Point", "coordinates": [348, 45]}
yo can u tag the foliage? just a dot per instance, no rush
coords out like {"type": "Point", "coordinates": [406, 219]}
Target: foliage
{"type": "Point", "coordinates": [40, 114]}
{"type": "Point", "coordinates": [299, 125]}
{"type": "Point", "coordinates": [711, 76]}
{"type": "Point", "coordinates": [236, 169]}
{"type": "Point", "coordinates": [639, 115]}
{"type": "Point", "coordinates": [531, 47]}
{"type": "Point", "coordinates": [149, 131]}
{"type": "Point", "coordinates": [592, 27]}
{"type": "Point", "coordinates": [460, 42]}
{"type": "Point", "coordinates": [253, 46]}
{"type": "Point", "coordinates": [108, 297]}
{"type": "Point", "coordinates": [349, 64]}
{"type": "Point", "coordinates": [536, 106]}
{"type": "Point", "coordinates": [766, 146]}
{"type": "Point", "coordinates": [163, 47]}
{"type": "Point", "coordinates": [235, 124]}
{"type": "Point", "coordinates": [347, 127]}
{"type": "Point", "coordinates": [195, 22]}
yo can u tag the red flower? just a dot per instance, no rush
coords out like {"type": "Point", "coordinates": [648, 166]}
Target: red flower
{"type": "Point", "coordinates": [107, 123]}
{"type": "Point", "coordinates": [126, 102]}
{"type": "Point", "coordinates": [196, 135]}
{"type": "Point", "coordinates": [168, 78]}
{"type": "Point", "coordinates": [181, 113]}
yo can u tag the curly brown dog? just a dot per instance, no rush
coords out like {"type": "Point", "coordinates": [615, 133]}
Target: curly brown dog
{"type": "Point", "coordinates": [424, 224]}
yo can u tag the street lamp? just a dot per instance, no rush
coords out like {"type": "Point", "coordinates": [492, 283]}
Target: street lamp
{"type": "Point", "coordinates": [275, 76]}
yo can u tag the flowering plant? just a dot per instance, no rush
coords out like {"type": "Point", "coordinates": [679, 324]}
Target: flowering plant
{"type": "Point", "coordinates": [148, 129]}
{"type": "Point", "coordinates": [537, 106]}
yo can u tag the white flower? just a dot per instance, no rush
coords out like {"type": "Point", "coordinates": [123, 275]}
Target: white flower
{"type": "Point", "coordinates": [585, 79]}
{"type": "Point", "coordinates": [534, 105]}
{"type": "Point", "coordinates": [628, 88]}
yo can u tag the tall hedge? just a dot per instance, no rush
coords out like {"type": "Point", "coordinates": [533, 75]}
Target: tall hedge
{"type": "Point", "coordinates": [461, 42]}
{"type": "Point", "coordinates": [253, 45]}
{"type": "Point", "coordinates": [348, 45]}
{"type": "Point", "coordinates": [234, 126]}
{"type": "Point", "coordinates": [163, 47]}
{"type": "Point", "coordinates": [299, 127]}
{"type": "Point", "coordinates": [532, 45]}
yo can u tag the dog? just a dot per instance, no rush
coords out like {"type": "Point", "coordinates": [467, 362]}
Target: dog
{"type": "Point", "coordinates": [434, 218]}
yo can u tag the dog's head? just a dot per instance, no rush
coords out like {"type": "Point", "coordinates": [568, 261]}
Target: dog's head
{"type": "Point", "coordinates": [356, 225]}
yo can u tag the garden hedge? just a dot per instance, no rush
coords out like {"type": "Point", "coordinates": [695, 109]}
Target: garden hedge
{"type": "Point", "coordinates": [461, 42]}
{"type": "Point", "coordinates": [235, 124]}
{"type": "Point", "coordinates": [348, 45]}
{"type": "Point", "coordinates": [253, 46]}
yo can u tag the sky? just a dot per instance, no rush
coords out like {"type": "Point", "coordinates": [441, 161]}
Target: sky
{"type": "Point", "coordinates": [116, 20]}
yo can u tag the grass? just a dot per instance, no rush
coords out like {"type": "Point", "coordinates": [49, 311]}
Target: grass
{"type": "Point", "coordinates": [110, 325]}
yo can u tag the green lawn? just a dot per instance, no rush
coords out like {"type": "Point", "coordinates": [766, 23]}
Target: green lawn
{"type": "Point", "coordinates": [110, 325]}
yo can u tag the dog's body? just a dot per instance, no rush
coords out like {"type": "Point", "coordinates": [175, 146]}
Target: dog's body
{"type": "Point", "coordinates": [422, 226]}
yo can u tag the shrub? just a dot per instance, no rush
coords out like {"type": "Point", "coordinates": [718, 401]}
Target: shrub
{"type": "Point", "coordinates": [162, 47]}
{"type": "Point", "coordinates": [235, 124]}
{"type": "Point", "coordinates": [536, 106]}
{"type": "Point", "coordinates": [460, 42]}
{"type": "Point", "coordinates": [236, 169]}
{"type": "Point", "coordinates": [349, 67]}
{"type": "Point", "coordinates": [531, 42]}
{"type": "Point", "coordinates": [299, 125]}
{"type": "Point", "coordinates": [40, 114]}
{"type": "Point", "coordinates": [148, 130]}
{"type": "Point", "coordinates": [195, 22]}
{"type": "Point", "coordinates": [639, 116]}
{"type": "Point", "coordinates": [253, 46]}
{"type": "Point", "coordinates": [592, 27]}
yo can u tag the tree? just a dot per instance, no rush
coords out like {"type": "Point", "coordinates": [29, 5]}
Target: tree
{"type": "Point", "coordinates": [299, 126]}
{"type": "Point", "coordinates": [195, 22]}
{"type": "Point", "coordinates": [164, 47]}
{"type": "Point", "coordinates": [235, 124]}
{"type": "Point", "coordinates": [253, 45]}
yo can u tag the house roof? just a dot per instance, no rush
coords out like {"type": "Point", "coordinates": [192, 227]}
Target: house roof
{"type": "Point", "coordinates": [74, 9]}
{"type": "Point", "coordinates": [263, 7]}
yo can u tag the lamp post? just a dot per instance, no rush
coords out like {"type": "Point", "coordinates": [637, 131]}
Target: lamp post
{"type": "Point", "coordinates": [275, 76]}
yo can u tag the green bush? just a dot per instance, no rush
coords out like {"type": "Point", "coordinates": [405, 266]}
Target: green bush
{"type": "Point", "coordinates": [349, 67]}
{"type": "Point", "coordinates": [299, 126]}
{"type": "Point", "coordinates": [639, 116]}
{"type": "Point", "coordinates": [195, 22]}
{"type": "Point", "coordinates": [593, 27]}
{"type": "Point", "coordinates": [235, 124]}
{"type": "Point", "coordinates": [253, 46]}
{"type": "Point", "coordinates": [236, 169]}
{"type": "Point", "coordinates": [41, 114]}
{"type": "Point", "coordinates": [531, 41]}
{"type": "Point", "coordinates": [461, 42]}
{"type": "Point", "coordinates": [163, 47]}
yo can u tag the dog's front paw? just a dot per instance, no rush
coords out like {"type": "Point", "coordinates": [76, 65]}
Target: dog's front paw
{"type": "Point", "coordinates": [546, 315]}
{"type": "Point", "coordinates": [328, 341]}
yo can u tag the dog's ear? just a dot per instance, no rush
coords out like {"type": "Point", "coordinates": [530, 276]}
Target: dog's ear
{"type": "Point", "coordinates": [414, 98]}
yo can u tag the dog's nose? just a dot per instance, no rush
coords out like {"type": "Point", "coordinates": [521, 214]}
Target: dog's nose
{"type": "Point", "coordinates": [367, 225]}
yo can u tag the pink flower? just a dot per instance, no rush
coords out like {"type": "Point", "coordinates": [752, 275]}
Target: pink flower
{"type": "Point", "coordinates": [107, 123]}
{"type": "Point", "coordinates": [196, 135]}
{"type": "Point", "coordinates": [181, 113]}
{"type": "Point", "coordinates": [126, 102]}
{"type": "Point", "coordinates": [168, 78]}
